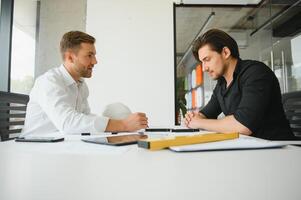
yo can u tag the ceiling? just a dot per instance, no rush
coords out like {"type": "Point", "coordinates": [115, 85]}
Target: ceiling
{"type": "Point", "coordinates": [232, 18]}
{"type": "Point", "coordinates": [189, 21]}
{"type": "Point", "coordinates": [228, 2]}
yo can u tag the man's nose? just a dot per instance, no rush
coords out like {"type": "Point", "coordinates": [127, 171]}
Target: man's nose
{"type": "Point", "coordinates": [206, 68]}
{"type": "Point", "coordinates": [94, 61]}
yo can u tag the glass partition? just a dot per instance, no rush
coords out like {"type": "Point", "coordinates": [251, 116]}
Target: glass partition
{"type": "Point", "coordinates": [269, 32]}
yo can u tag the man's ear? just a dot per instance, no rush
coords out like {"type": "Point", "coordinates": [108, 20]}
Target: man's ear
{"type": "Point", "coordinates": [69, 56]}
{"type": "Point", "coordinates": [226, 52]}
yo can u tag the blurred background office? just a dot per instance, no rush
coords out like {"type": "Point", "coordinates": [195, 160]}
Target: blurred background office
{"type": "Point", "coordinates": [143, 47]}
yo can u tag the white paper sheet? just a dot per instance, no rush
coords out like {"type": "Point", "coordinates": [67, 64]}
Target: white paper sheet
{"type": "Point", "coordinates": [243, 142]}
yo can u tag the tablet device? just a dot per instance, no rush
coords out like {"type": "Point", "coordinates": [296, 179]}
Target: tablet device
{"type": "Point", "coordinates": [39, 139]}
{"type": "Point", "coordinates": [116, 140]}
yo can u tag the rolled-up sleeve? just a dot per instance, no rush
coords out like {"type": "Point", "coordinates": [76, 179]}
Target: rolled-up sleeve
{"type": "Point", "coordinates": [212, 109]}
{"type": "Point", "coordinates": [256, 95]}
{"type": "Point", "coordinates": [55, 102]}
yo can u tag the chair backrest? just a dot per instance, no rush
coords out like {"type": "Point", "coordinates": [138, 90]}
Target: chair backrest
{"type": "Point", "coordinates": [292, 108]}
{"type": "Point", "coordinates": [12, 114]}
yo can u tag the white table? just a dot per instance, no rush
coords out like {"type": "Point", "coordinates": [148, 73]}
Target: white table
{"type": "Point", "coordinates": [81, 171]}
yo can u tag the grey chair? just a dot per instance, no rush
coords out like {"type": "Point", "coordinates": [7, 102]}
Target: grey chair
{"type": "Point", "coordinates": [12, 114]}
{"type": "Point", "coordinates": [292, 108]}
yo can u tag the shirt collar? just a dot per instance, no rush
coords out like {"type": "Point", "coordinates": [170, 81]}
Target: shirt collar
{"type": "Point", "coordinates": [68, 78]}
{"type": "Point", "coordinates": [237, 68]}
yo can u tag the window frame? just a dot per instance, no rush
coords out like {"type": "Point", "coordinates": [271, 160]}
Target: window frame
{"type": "Point", "coordinates": [6, 25]}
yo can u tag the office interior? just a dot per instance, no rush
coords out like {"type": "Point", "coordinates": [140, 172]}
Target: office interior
{"type": "Point", "coordinates": [265, 30]}
{"type": "Point", "coordinates": [145, 61]}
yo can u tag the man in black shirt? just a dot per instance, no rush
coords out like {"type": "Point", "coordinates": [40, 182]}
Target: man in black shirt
{"type": "Point", "coordinates": [247, 92]}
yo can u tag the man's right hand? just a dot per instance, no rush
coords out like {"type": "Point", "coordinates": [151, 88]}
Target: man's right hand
{"type": "Point", "coordinates": [135, 122]}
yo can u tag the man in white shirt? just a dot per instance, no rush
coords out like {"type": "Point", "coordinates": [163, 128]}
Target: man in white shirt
{"type": "Point", "coordinates": [58, 100]}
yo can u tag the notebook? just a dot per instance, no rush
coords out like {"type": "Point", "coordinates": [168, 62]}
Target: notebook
{"type": "Point", "coordinates": [243, 142]}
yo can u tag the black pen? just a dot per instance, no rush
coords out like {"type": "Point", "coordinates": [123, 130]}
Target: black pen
{"type": "Point", "coordinates": [157, 130]}
{"type": "Point", "coordinates": [185, 130]}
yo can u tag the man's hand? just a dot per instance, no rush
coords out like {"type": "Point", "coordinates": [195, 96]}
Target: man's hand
{"type": "Point", "coordinates": [135, 122]}
{"type": "Point", "coordinates": [192, 119]}
{"type": "Point", "coordinates": [225, 125]}
{"type": "Point", "coordinates": [188, 117]}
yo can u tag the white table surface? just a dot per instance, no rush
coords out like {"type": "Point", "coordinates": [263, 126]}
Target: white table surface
{"type": "Point", "coordinates": [76, 170]}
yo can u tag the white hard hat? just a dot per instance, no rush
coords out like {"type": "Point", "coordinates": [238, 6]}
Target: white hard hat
{"type": "Point", "coordinates": [116, 111]}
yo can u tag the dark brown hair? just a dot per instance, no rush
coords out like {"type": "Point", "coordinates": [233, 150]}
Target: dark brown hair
{"type": "Point", "coordinates": [73, 39]}
{"type": "Point", "coordinates": [217, 40]}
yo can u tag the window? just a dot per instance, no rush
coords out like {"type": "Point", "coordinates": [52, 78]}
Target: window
{"type": "Point", "coordinates": [23, 46]}
{"type": "Point", "coordinates": [295, 80]}
{"type": "Point", "coordinates": [5, 35]}
{"type": "Point", "coordinates": [286, 41]}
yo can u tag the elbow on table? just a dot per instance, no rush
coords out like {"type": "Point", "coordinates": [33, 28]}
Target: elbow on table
{"type": "Point", "coordinates": [244, 130]}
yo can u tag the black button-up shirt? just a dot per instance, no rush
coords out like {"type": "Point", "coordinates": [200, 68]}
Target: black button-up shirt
{"type": "Point", "coordinates": [254, 99]}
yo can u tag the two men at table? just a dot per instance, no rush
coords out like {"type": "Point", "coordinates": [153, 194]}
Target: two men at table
{"type": "Point", "coordinates": [247, 92]}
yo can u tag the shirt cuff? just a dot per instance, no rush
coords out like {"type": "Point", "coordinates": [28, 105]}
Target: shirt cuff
{"type": "Point", "coordinates": [100, 125]}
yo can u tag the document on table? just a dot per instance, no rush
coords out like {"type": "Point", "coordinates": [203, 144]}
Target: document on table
{"type": "Point", "coordinates": [243, 142]}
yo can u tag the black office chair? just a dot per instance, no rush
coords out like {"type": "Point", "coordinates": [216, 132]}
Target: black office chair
{"type": "Point", "coordinates": [292, 108]}
{"type": "Point", "coordinates": [12, 114]}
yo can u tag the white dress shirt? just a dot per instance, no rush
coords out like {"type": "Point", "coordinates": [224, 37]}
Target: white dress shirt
{"type": "Point", "coordinates": [58, 103]}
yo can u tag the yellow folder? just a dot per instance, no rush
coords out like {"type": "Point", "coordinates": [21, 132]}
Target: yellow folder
{"type": "Point", "coordinates": [165, 142]}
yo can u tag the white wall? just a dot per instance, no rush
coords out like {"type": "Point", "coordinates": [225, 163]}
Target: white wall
{"type": "Point", "coordinates": [135, 56]}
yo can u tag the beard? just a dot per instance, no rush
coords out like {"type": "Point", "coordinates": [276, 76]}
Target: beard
{"type": "Point", "coordinates": [215, 76]}
{"type": "Point", "coordinates": [221, 73]}
{"type": "Point", "coordinates": [84, 72]}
